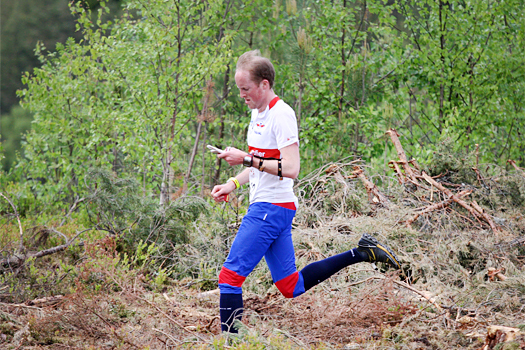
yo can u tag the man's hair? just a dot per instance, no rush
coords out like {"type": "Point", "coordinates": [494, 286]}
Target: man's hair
{"type": "Point", "coordinates": [260, 67]}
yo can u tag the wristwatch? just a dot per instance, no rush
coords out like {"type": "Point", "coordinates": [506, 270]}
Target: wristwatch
{"type": "Point", "coordinates": [248, 160]}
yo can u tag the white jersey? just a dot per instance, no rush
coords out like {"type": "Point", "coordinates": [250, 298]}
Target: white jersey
{"type": "Point", "coordinates": [270, 131]}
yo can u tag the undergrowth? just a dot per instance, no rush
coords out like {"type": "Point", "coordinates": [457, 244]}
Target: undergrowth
{"type": "Point", "coordinates": [145, 276]}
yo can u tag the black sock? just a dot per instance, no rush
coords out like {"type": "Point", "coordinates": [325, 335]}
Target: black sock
{"type": "Point", "coordinates": [318, 271]}
{"type": "Point", "coordinates": [231, 308]}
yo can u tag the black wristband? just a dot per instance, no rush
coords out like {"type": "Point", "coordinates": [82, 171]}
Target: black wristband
{"type": "Point", "coordinates": [261, 166]}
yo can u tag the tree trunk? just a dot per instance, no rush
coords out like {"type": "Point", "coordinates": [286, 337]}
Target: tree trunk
{"type": "Point", "coordinates": [225, 93]}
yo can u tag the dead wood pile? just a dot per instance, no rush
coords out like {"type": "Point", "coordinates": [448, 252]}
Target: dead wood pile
{"type": "Point", "coordinates": [330, 187]}
{"type": "Point", "coordinates": [409, 173]}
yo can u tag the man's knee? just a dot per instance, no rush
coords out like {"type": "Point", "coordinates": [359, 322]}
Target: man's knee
{"type": "Point", "coordinates": [230, 281]}
{"type": "Point", "coordinates": [290, 286]}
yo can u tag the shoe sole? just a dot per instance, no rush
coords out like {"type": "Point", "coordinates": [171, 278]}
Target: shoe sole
{"type": "Point", "coordinates": [374, 243]}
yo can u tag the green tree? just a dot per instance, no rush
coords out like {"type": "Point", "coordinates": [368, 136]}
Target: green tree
{"type": "Point", "coordinates": [464, 73]}
{"type": "Point", "coordinates": [124, 96]}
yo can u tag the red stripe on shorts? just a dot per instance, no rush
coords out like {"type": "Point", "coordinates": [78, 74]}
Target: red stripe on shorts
{"type": "Point", "coordinates": [287, 284]}
{"type": "Point", "coordinates": [232, 278]}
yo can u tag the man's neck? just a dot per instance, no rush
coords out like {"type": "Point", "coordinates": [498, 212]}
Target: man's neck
{"type": "Point", "coordinates": [269, 97]}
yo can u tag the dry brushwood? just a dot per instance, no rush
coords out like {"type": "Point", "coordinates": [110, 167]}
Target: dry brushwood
{"type": "Point", "coordinates": [436, 206]}
{"type": "Point", "coordinates": [474, 209]}
{"type": "Point", "coordinates": [374, 195]}
{"type": "Point", "coordinates": [500, 334]}
{"type": "Point", "coordinates": [411, 173]}
{"type": "Point", "coordinates": [322, 184]}
{"type": "Point", "coordinates": [494, 273]}
{"type": "Point", "coordinates": [518, 169]}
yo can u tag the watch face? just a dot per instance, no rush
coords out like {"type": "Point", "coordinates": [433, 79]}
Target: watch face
{"type": "Point", "coordinates": [247, 161]}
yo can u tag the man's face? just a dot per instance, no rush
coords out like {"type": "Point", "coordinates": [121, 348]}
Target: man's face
{"type": "Point", "coordinates": [252, 92]}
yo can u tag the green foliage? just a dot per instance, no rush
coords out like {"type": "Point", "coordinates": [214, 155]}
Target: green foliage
{"type": "Point", "coordinates": [118, 206]}
{"type": "Point", "coordinates": [12, 127]}
{"type": "Point", "coordinates": [37, 279]}
{"type": "Point", "coordinates": [119, 97]}
{"type": "Point", "coordinates": [461, 74]}
{"type": "Point", "coordinates": [130, 95]}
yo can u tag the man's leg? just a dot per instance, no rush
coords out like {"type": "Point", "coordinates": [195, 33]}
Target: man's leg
{"type": "Point", "coordinates": [254, 237]}
{"type": "Point", "coordinates": [280, 256]}
{"type": "Point", "coordinates": [368, 249]}
{"type": "Point", "coordinates": [281, 260]}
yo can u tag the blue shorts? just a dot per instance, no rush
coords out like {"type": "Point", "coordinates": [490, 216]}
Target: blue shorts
{"type": "Point", "coordinates": [266, 230]}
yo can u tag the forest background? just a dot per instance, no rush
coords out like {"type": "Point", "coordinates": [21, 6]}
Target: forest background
{"type": "Point", "coordinates": [106, 134]}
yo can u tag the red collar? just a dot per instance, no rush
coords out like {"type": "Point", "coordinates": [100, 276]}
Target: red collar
{"type": "Point", "coordinates": [273, 102]}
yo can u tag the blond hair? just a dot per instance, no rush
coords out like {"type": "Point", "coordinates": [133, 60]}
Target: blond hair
{"type": "Point", "coordinates": [259, 67]}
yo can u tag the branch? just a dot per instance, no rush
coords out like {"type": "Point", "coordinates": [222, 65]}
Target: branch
{"type": "Point", "coordinates": [19, 223]}
{"type": "Point", "coordinates": [18, 260]}
{"type": "Point", "coordinates": [172, 319]}
{"type": "Point", "coordinates": [374, 195]}
{"type": "Point", "coordinates": [402, 156]}
{"type": "Point", "coordinates": [513, 163]}
{"type": "Point", "coordinates": [73, 207]}
{"type": "Point", "coordinates": [436, 206]}
{"type": "Point", "coordinates": [475, 209]}
{"type": "Point", "coordinates": [424, 294]}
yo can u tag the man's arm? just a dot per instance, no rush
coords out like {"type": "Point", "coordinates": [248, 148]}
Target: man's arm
{"type": "Point", "coordinates": [290, 162]}
{"type": "Point", "coordinates": [220, 192]}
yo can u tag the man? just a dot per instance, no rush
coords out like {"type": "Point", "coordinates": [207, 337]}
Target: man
{"type": "Point", "coordinates": [271, 165]}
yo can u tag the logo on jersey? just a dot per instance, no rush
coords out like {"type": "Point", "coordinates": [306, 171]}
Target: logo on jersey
{"type": "Point", "coordinates": [261, 152]}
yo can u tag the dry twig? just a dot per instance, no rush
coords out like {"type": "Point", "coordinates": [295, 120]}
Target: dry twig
{"type": "Point", "coordinates": [513, 163]}
{"type": "Point", "coordinates": [374, 195]}
{"type": "Point", "coordinates": [437, 206]}
{"type": "Point", "coordinates": [17, 260]}
{"type": "Point", "coordinates": [21, 246]}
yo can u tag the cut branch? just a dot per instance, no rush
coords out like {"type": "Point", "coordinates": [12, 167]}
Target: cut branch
{"type": "Point", "coordinates": [475, 209]}
{"type": "Point", "coordinates": [513, 163]}
{"type": "Point", "coordinates": [19, 259]}
{"type": "Point", "coordinates": [437, 206]}
{"type": "Point", "coordinates": [374, 195]}
{"type": "Point", "coordinates": [402, 156]}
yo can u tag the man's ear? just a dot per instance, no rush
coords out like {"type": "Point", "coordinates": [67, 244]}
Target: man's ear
{"type": "Point", "coordinates": [266, 84]}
